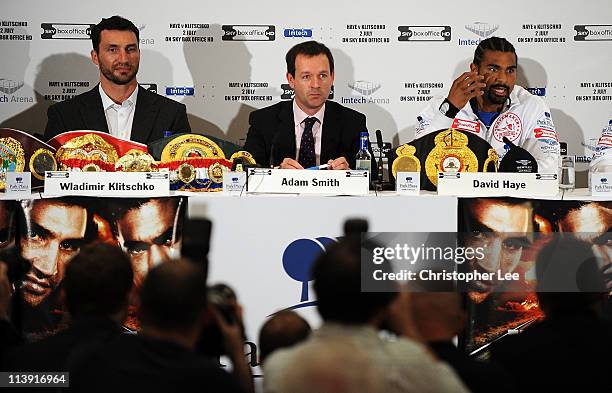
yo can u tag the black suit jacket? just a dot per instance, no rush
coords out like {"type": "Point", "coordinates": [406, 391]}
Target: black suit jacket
{"type": "Point", "coordinates": [154, 115]}
{"type": "Point", "coordinates": [53, 353]}
{"type": "Point", "coordinates": [271, 136]}
{"type": "Point", "coordinates": [136, 363]}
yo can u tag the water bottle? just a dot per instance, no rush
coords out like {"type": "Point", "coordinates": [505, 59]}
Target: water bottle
{"type": "Point", "coordinates": [363, 158]}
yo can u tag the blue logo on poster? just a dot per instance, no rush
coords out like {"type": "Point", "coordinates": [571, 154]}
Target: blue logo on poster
{"type": "Point", "coordinates": [298, 258]}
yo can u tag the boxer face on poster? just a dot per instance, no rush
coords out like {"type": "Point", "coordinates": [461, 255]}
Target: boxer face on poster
{"type": "Point", "coordinates": [53, 233]}
{"type": "Point", "coordinates": [150, 234]}
{"type": "Point", "coordinates": [592, 222]}
{"type": "Point", "coordinates": [501, 228]}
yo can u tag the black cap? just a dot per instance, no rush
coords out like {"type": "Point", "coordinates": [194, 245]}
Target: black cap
{"type": "Point", "coordinates": [517, 160]}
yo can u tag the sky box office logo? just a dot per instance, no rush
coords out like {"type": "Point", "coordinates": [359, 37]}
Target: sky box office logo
{"type": "Point", "coordinates": [66, 31]}
{"type": "Point", "coordinates": [179, 91]}
{"type": "Point", "coordinates": [424, 33]}
{"type": "Point", "coordinates": [248, 33]}
{"type": "Point", "coordinates": [298, 258]}
{"type": "Point", "coordinates": [288, 92]}
{"type": "Point", "coordinates": [593, 33]}
{"type": "Point", "coordinates": [297, 33]}
{"type": "Point", "coordinates": [152, 87]}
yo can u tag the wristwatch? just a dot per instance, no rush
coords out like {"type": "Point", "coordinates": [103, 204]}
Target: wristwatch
{"type": "Point", "coordinates": [447, 109]}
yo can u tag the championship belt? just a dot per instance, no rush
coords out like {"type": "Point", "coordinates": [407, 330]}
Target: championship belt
{"type": "Point", "coordinates": [240, 159]}
{"type": "Point", "coordinates": [20, 151]}
{"type": "Point", "coordinates": [405, 161]}
{"type": "Point", "coordinates": [195, 162]}
{"type": "Point", "coordinates": [95, 151]}
{"type": "Point", "coordinates": [445, 151]}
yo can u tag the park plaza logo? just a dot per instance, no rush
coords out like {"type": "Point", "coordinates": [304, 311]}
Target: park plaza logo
{"type": "Point", "coordinates": [481, 29]}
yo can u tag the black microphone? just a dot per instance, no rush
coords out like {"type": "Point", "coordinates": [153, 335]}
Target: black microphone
{"type": "Point", "coordinates": [379, 142]}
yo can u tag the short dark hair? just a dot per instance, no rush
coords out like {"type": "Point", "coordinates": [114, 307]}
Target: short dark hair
{"type": "Point", "coordinates": [309, 49]}
{"type": "Point", "coordinates": [337, 283]}
{"type": "Point", "coordinates": [284, 329]}
{"type": "Point", "coordinates": [497, 44]}
{"type": "Point", "coordinates": [173, 295]}
{"type": "Point", "coordinates": [117, 208]}
{"type": "Point", "coordinates": [113, 23]}
{"type": "Point", "coordinates": [98, 280]}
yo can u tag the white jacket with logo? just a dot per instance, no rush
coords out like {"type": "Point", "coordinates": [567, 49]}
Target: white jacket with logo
{"type": "Point", "coordinates": [526, 122]}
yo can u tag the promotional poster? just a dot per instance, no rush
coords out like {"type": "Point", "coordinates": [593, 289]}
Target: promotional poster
{"type": "Point", "coordinates": [520, 228]}
{"type": "Point", "coordinates": [39, 237]}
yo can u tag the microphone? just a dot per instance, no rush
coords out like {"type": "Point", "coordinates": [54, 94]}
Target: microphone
{"type": "Point", "coordinates": [379, 143]}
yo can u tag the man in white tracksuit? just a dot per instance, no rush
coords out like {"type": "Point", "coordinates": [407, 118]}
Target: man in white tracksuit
{"type": "Point", "coordinates": [486, 102]}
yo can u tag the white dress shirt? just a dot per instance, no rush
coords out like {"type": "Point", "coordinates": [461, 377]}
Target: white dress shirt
{"type": "Point", "coordinates": [298, 118]}
{"type": "Point", "coordinates": [119, 117]}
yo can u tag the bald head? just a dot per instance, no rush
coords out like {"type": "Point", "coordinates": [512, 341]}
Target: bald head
{"type": "Point", "coordinates": [282, 330]}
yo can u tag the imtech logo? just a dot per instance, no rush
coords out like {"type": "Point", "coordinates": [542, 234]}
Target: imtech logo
{"type": "Point", "coordinates": [8, 86]}
{"type": "Point", "coordinates": [364, 88]}
{"type": "Point", "coordinates": [424, 33]}
{"type": "Point", "coordinates": [483, 30]}
{"type": "Point", "coordinates": [248, 33]}
{"type": "Point", "coordinates": [297, 33]}
{"type": "Point", "coordinates": [593, 33]}
{"type": "Point", "coordinates": [66, 31]}
{"type": "Point", "coordinates": [179, 91]}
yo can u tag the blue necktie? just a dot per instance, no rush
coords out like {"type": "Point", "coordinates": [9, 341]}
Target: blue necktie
{"type": "Point", "coordinates": [307, 157]}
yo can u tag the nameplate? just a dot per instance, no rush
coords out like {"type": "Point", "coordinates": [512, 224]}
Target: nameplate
{"type": "Point", "coordinates": [481, 184]}
{"type": "Point", "coordinates": [408, 183]}
{"type": "Point", "coordinates": [107, 184]}
{"type": "Point", "coordinates": [293, 181]}
{"type": "Point", "coordinates": [601, 183]}
{"type": "Point", "coordinates": [18, 184]}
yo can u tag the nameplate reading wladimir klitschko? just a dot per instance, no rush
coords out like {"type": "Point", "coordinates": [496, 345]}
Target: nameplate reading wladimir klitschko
{"type": "Point", "coordinates": [107, 184]}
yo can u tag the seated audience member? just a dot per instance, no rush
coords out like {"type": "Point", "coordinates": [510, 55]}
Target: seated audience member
{"type": "Point", "coordinates": [161, 358]}
{"type": "Point", "coordinates": [439, 317]}
{"type": "Point", "coordinates": [284, 329]}
{"type": "Point", "coordinates": [96, 286]}
{"type": "Point", "coordinates": [353, 316]}
{"type": "Point", "coordinates": [564, 352]}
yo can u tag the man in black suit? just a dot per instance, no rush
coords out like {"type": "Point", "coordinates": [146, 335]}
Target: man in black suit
{"type": "Point", "coordinates": [118, 105]}
{"type": "Point", "coordinates": [309, 130]}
